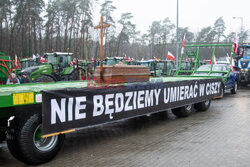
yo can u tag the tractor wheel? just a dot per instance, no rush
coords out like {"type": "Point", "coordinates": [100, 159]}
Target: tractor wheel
{"type": "Point", "coordinates": [25, 142]}
{"type": "Point", "coordinates": [184, 111]}
{"type": "Point", "coordinates": [44, 78]}
{"type": "Point", "coordinates": [202, 106]}
{"type": "Point", "coordinates": [3, 126]}
{"type": "Point", "coordinates": [222, 92]}
{"type": "Point", "coordinates": [235, 87]}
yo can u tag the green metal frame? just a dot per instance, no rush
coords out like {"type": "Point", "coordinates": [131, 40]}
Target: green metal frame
{"type": "Point", "coordinates": [197, 61]}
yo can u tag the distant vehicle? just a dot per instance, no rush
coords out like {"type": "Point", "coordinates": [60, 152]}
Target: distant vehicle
{"type": "Point", "coordinates": [56, 68]}
{"type": "Point", "coordinates": [223, 70]}
{"type": "Point", "coordinates": [28, 62]}
{"type": "Point", "coordinates": [230, 78]}
{"type": "Point", "coordinates": [243, 63]}
{"type": "Point", "coordinates": [113, 60]}
{"type": "Point", "coordinates": [159, 68]}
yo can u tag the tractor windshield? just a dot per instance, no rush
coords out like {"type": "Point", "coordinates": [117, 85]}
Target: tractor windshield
{"type": "Point", "coordinates": [246, 52]}
{"type": "Point", "coordinates": [219, 67]}
{"type": "Point", "coordinates": [24, 64]}
{"type": "Point", "coordinates": [51, 59]}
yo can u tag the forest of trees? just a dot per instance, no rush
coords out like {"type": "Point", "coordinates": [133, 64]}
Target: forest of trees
{"type": "Point", "coordinates": [30, 27]}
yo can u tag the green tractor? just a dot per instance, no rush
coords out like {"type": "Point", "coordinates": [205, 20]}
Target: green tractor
{"type": "Point", "coordinates": [26, 63]}
{"type": "Point", "coordinates": [56, 68]}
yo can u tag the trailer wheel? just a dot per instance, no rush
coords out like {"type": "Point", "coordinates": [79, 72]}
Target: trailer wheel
{"type": "Point", "coordinates": [184, 111]}
{"type": "Point", "coordinates": [12, 140]}
{"type": "Point", "coordinates": [202, 106]}
{"type": "Point", "coordinates": [34, 149]}
{"type": "Point", "coordinates": [44, 78]}
{"type": "Point", "coordinates": [2, 136]}
{"type": "Point", "coordinates": [222, 92]}
{"type": "Point", "coordinates": [235, 87]}
{"type": "Point", "coordinates": [3, 125]}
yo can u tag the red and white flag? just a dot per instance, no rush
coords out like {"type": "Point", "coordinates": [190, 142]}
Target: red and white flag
{"type": "Point", "coordinates": [214, 62]}
{"type": "Point", "coordinates": [229, 61]}
{"type": "Point", "coordinates": [188, 59]}
{"type": "Point", "coordinates": [170, 56]}
{"type": "Point", "coordinates": [16, 61]}
{"type": "Point", "coordinates": [236, 41]}
{"type": "Point", "coordinates": [183, 44]}
{"type": "Point", "coordinates": [42, 60]}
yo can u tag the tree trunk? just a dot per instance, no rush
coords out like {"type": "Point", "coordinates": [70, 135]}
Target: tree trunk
{"type": "Point", "coordinates": [65, 34]}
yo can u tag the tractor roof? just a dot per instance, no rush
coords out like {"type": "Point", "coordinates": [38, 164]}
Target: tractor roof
{"type": "Point", "coordinates": [244, 46]}
{"type": "Point", "coordinates": [117, 58]}
{"type": "Point", "coordinates": [59, 53]}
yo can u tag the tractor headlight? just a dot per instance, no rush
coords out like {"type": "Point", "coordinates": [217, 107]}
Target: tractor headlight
{"type": "Point", "coordinates": [248, 66]}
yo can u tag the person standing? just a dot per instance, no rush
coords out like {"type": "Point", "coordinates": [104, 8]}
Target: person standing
{"type": "Point", "coordinates": [13, 79]}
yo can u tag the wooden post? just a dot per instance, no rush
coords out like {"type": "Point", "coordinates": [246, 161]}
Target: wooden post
{"type": "Point", "coordinates": [101, 26]}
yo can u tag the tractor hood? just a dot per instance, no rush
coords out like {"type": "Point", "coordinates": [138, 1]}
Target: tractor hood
{"type": "Point", "coordinates": [29, 70]}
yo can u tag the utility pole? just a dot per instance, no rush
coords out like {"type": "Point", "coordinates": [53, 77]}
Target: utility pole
{"type": "Point", "coordinates": [241, 28]}
{"type": "Point", "coordinates": [177, 34]}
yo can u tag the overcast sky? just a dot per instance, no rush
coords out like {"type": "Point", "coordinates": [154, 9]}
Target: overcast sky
{"type": "Point", "coordinates": [192, 13]}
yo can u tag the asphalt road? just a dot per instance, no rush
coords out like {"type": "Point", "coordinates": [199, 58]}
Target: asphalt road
{"type": "Point", "coordinates": [218, 137]}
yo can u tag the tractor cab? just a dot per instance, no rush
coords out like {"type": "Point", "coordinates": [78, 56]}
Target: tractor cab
{"type": "Point", "coordinates": [56, 68]}
{"type": "Point", "coordinates": [60, 61]}
{"type": "Point", "coordinates": [243, 63]}
{"type": "Point", "coordinates": [113, 60]}
{"type": "Point", "coordinates": [27, 62]}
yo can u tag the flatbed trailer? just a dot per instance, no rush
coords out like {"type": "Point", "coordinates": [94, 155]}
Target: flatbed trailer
{"type": "Point", "coordinates": [35, 117]}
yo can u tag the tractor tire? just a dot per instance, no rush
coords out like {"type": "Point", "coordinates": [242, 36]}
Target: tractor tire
{"type": "Point", "coordinates": [184, 111]}
{"type": "Point", "coordinates": [3, 126]}
{"type": "Point", "coordinates": [26, 143]}
{"type": "Point", "coordinates": [235, 87]}
{"type": "Point", "coordinates": [12, 140]}
{"type": "Point", "coordinates": [222, 93]}
{"type": "Point", "coordinates": [202, 106]}
{"type": "Point", "coordinates": [2, 136]}
{"type": "Point", "coordinates": [44, 78]}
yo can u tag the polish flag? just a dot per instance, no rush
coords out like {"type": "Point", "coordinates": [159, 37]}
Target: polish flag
{"type": "Point", "coordinates": [188, 59]}
{"type": "Point", "coordinates": [214, 62]}
{"type": "Point", "coordinates": [16, 61]}
{"type": "Point", "coordinates": [183, 44]}
{"type": "Point", "coordinates": [42, 60]}
{"type": "Point", "coordinates": [236, 41]}
{"type": "Point", "coordinates": [171, 56]}
{"type": "Point", "coordinates": [229, 61]}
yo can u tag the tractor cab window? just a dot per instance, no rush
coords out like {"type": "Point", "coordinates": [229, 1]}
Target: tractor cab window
{"type": "Point", "coordinates": [246, 52]}
{"type": "Point", "coordinates": [68, 59]}
{"type": "Point", "coordinates": [63, 61]}
{"type": "Point", "coordinates": [24, 64]}
{"type": "Point", "coordinates": [51, 59]}
{"type": "Point", "coordinates": [32, 63]}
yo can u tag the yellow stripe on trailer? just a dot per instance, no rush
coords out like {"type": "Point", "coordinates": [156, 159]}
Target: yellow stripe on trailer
{"type": "Point", "coordinates": [58, 133]}
{"type": "Point", "coordinates": [23, 98]}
